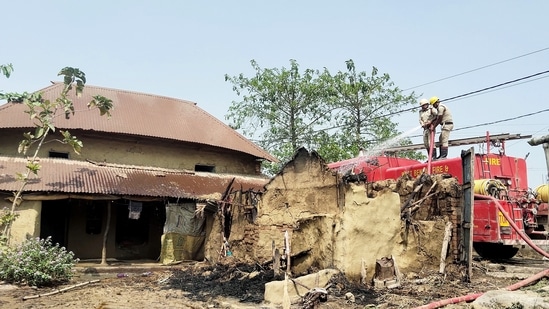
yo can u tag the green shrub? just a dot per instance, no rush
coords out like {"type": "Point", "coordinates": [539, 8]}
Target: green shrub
{"type": "Point", "coordinates": [36, 262]}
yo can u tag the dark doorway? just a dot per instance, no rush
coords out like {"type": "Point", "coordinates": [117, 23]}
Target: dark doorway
{"type": "Point", "coordinates": [139, 227]}
{"type": "Point", "coordinates": [54, 221]}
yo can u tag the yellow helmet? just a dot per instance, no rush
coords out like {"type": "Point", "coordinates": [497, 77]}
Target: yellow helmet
{"type": "Point", "coordinates": [423, 101]}
{"type": "Point", "coordinates": [433, 100]}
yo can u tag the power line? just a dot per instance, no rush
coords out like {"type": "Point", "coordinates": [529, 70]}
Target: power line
{"type": "Point", "coordinates": [465, 94]}
{"type": "Point", "coordinates": [480, 68]}
{"type": "Point", "coordinates": [480, 124]}
{"type": "Point", "coordinates": [502, 120]}
{"type": "Point", "coordinates": [476, 92]}
{"type": "Point", "coordinates": [497, 121]}
{"type": "Point", "coordinates": [509, 86]}
{"type": "Point", "coordinates": [495, 86]}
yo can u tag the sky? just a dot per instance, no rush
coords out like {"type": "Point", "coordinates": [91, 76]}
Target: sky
{"type": "Point", "coordinates": [183, 49]}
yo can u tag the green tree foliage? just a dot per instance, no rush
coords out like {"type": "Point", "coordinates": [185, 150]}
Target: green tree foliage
{"type": "Point", "coordinates": [363, 109]}
{"type": "Point", "coordinates": [280, 107]}
{"type": "Point", "coordinates": [43, 113]}
{"type": "Point", "coordinates": [6, 69]}
{"type": "Point", "coordinates": [335, 114]}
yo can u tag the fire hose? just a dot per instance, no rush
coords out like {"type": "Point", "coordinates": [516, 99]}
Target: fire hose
{"type": "Point", "coordinates": [431, 148]}
{"type": "Point", "coordinates": [514, 226]}
{"type": "Point", "coordinates": [472, 297]}
{"type": "Point", "coordinates": [513, 287]}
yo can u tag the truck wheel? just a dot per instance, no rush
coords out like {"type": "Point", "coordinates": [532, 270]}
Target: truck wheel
{"type": "Point", "coordinates": [491, 251]}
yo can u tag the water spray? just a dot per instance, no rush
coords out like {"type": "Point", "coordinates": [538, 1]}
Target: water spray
{"type": "Point", "coordinates": [377, 150]}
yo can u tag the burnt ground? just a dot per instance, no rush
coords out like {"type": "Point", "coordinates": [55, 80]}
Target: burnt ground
{"type": "Point", "coordinates": [246, 283]}
{"type": "Point", "coordinates": [232, 285]}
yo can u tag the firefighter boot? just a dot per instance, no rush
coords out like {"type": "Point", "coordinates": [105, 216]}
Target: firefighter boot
{"type": "Point", "coordinates": [434, 158]}
{"type": "Point", "coordinates": [443, 153]}
{"type": "Point", "coordinates": [434, 155]}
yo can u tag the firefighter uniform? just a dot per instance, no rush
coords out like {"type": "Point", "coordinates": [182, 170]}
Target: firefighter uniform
{"type": "Point", "coordinates": [444, 118]}
{"type": "Point", "coordinates": [427, 117]}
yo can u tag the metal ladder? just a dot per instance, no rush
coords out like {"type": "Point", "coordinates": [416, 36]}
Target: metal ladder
{"type": "Point", "coordinates": [485, 166]}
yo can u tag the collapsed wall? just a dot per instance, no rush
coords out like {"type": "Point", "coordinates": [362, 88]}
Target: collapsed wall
{"type": "Point", "coordinates": [405, 219]}
{"type": "Point", "coordinates": [334, 224]}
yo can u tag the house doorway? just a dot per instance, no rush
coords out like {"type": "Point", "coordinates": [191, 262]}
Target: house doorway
{"type": "Point", "coordinates": [135, 229]}
{"type": "Point", "coordinates": [54, 221]}
{"type": "Point", "coordinates": [139, 228]}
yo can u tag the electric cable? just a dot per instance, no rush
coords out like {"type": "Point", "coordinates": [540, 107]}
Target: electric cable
{"type": "Point", "coordinates": [496, 121]}
{"type": "Point", "coordinates": [466, 94]}
{"type": "Point", "coordinates": [495, 86]}
{"type": "Point", "coordinates": [502, 120]}
{"type": "Point", "coordinates": [477, 69]}
{"type": "Point", "coordinates": [471, 126]}
{"type": "Point", "coordinates": [509, 86]}
{"type": "Point", "coordinates": [476, 92]}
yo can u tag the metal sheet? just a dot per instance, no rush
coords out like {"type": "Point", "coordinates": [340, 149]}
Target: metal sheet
{"type": "Point", "coordinates": [70, 176]}
{"type": "Point", "coordinates": [141, 114]}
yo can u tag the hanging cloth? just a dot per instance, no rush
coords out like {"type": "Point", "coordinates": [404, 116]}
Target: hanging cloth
{"type": "Point", "coordinates": [135, 210]}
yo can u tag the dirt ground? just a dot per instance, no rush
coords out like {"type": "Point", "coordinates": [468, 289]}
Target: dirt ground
{"type": "Point", "coordinates": [201, 285]}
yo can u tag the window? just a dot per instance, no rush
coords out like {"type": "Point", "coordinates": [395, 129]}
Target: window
{"type": "Point", "coordinates": [204, 168]}
{"type": "Point", "coordinates": [55, 154]}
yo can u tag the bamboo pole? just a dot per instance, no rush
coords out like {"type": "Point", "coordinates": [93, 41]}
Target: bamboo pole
{"type": "Point", "coordinates": [61, 290]}
{"type": "Point", "coordinates": [288, 254]}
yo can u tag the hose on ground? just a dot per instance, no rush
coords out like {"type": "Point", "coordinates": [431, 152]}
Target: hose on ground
{"type": "Point", "coordinates": [513, 287]}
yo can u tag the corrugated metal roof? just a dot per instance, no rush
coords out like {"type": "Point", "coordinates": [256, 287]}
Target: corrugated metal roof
{"type": "Point", "coordinates": [141, 114]}
{"type": "Point", "coordinates": [80, 177]}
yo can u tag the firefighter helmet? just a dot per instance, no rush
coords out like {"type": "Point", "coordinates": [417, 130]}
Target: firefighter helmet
{"type": "Point", "coordinates": [433, 100]}
{"type": "Point", "coordinates": [423, 102]}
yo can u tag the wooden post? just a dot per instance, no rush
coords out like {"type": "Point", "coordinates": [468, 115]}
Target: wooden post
{"type": "Point", "coordinates": [105, 235]}
{"type": "Point", "coordinates": [288, 255]}
{"type": "Point", "coordinates": [223, 251]}
{"type": "Point", "coordinates": [363, 272]}
{"type": "Point", "coordinates": [286, 302]}
{"type": "Point", "coordinates": [445, 242]}
{"type": "Point", "coordinates": [276, 262]}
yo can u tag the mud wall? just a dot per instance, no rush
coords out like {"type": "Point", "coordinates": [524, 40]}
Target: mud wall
{"type": "Point", "coordinates": [301, 199]}
{"type": "Point", "coordinates": [27, 223]}
{"type": "Point", "coordinates": [335, 224]}
{"type": "Point", "coordinates": [141, 151]}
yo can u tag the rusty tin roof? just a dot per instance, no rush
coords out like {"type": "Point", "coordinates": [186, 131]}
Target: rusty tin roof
{"type": "Point", "coordinates": [140, 114]}
{"type": "Point", "coordinates": [80, 177]}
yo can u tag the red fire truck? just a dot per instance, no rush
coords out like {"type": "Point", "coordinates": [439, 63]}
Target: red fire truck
{"type": "Point", "coordinates": [507, 213]}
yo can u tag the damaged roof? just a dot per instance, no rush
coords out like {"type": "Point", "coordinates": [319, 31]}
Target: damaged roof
{"type": "Point", "coordinates": [80, 177]}
{"type": "Point", "coordinates": [139, 114]}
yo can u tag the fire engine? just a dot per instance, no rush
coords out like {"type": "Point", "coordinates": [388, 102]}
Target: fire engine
{"type": "Point", "coordinates": [507, 213]}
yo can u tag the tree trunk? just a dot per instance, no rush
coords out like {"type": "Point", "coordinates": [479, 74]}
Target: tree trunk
{"type": "Point", "coordinates": [105, 236]}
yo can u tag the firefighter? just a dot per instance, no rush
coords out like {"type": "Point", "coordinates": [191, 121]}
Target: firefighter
{"type": "Point", "coordinates": [444, 119]}
{"type": "Point", "coordinates": [427, 118]}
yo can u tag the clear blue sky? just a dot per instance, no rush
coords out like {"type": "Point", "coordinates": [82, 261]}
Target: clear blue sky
{"type": "Point", "coordinates": [183, 49]}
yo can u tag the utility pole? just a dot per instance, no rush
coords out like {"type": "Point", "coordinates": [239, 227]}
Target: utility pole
{"type": "Point", "coordinates": [545, 141]}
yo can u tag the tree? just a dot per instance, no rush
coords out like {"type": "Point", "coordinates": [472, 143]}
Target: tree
{"type": "Point", "coordinates": [363, 109]}
{"type": "Point", "coordinates": [43, 113]}
{"type": "Point", "coordinates": [280, 106]}
{"type": "Point", "coordinates": [6, 69]}
{"type": "Point", "coordinates": [283, 109]}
